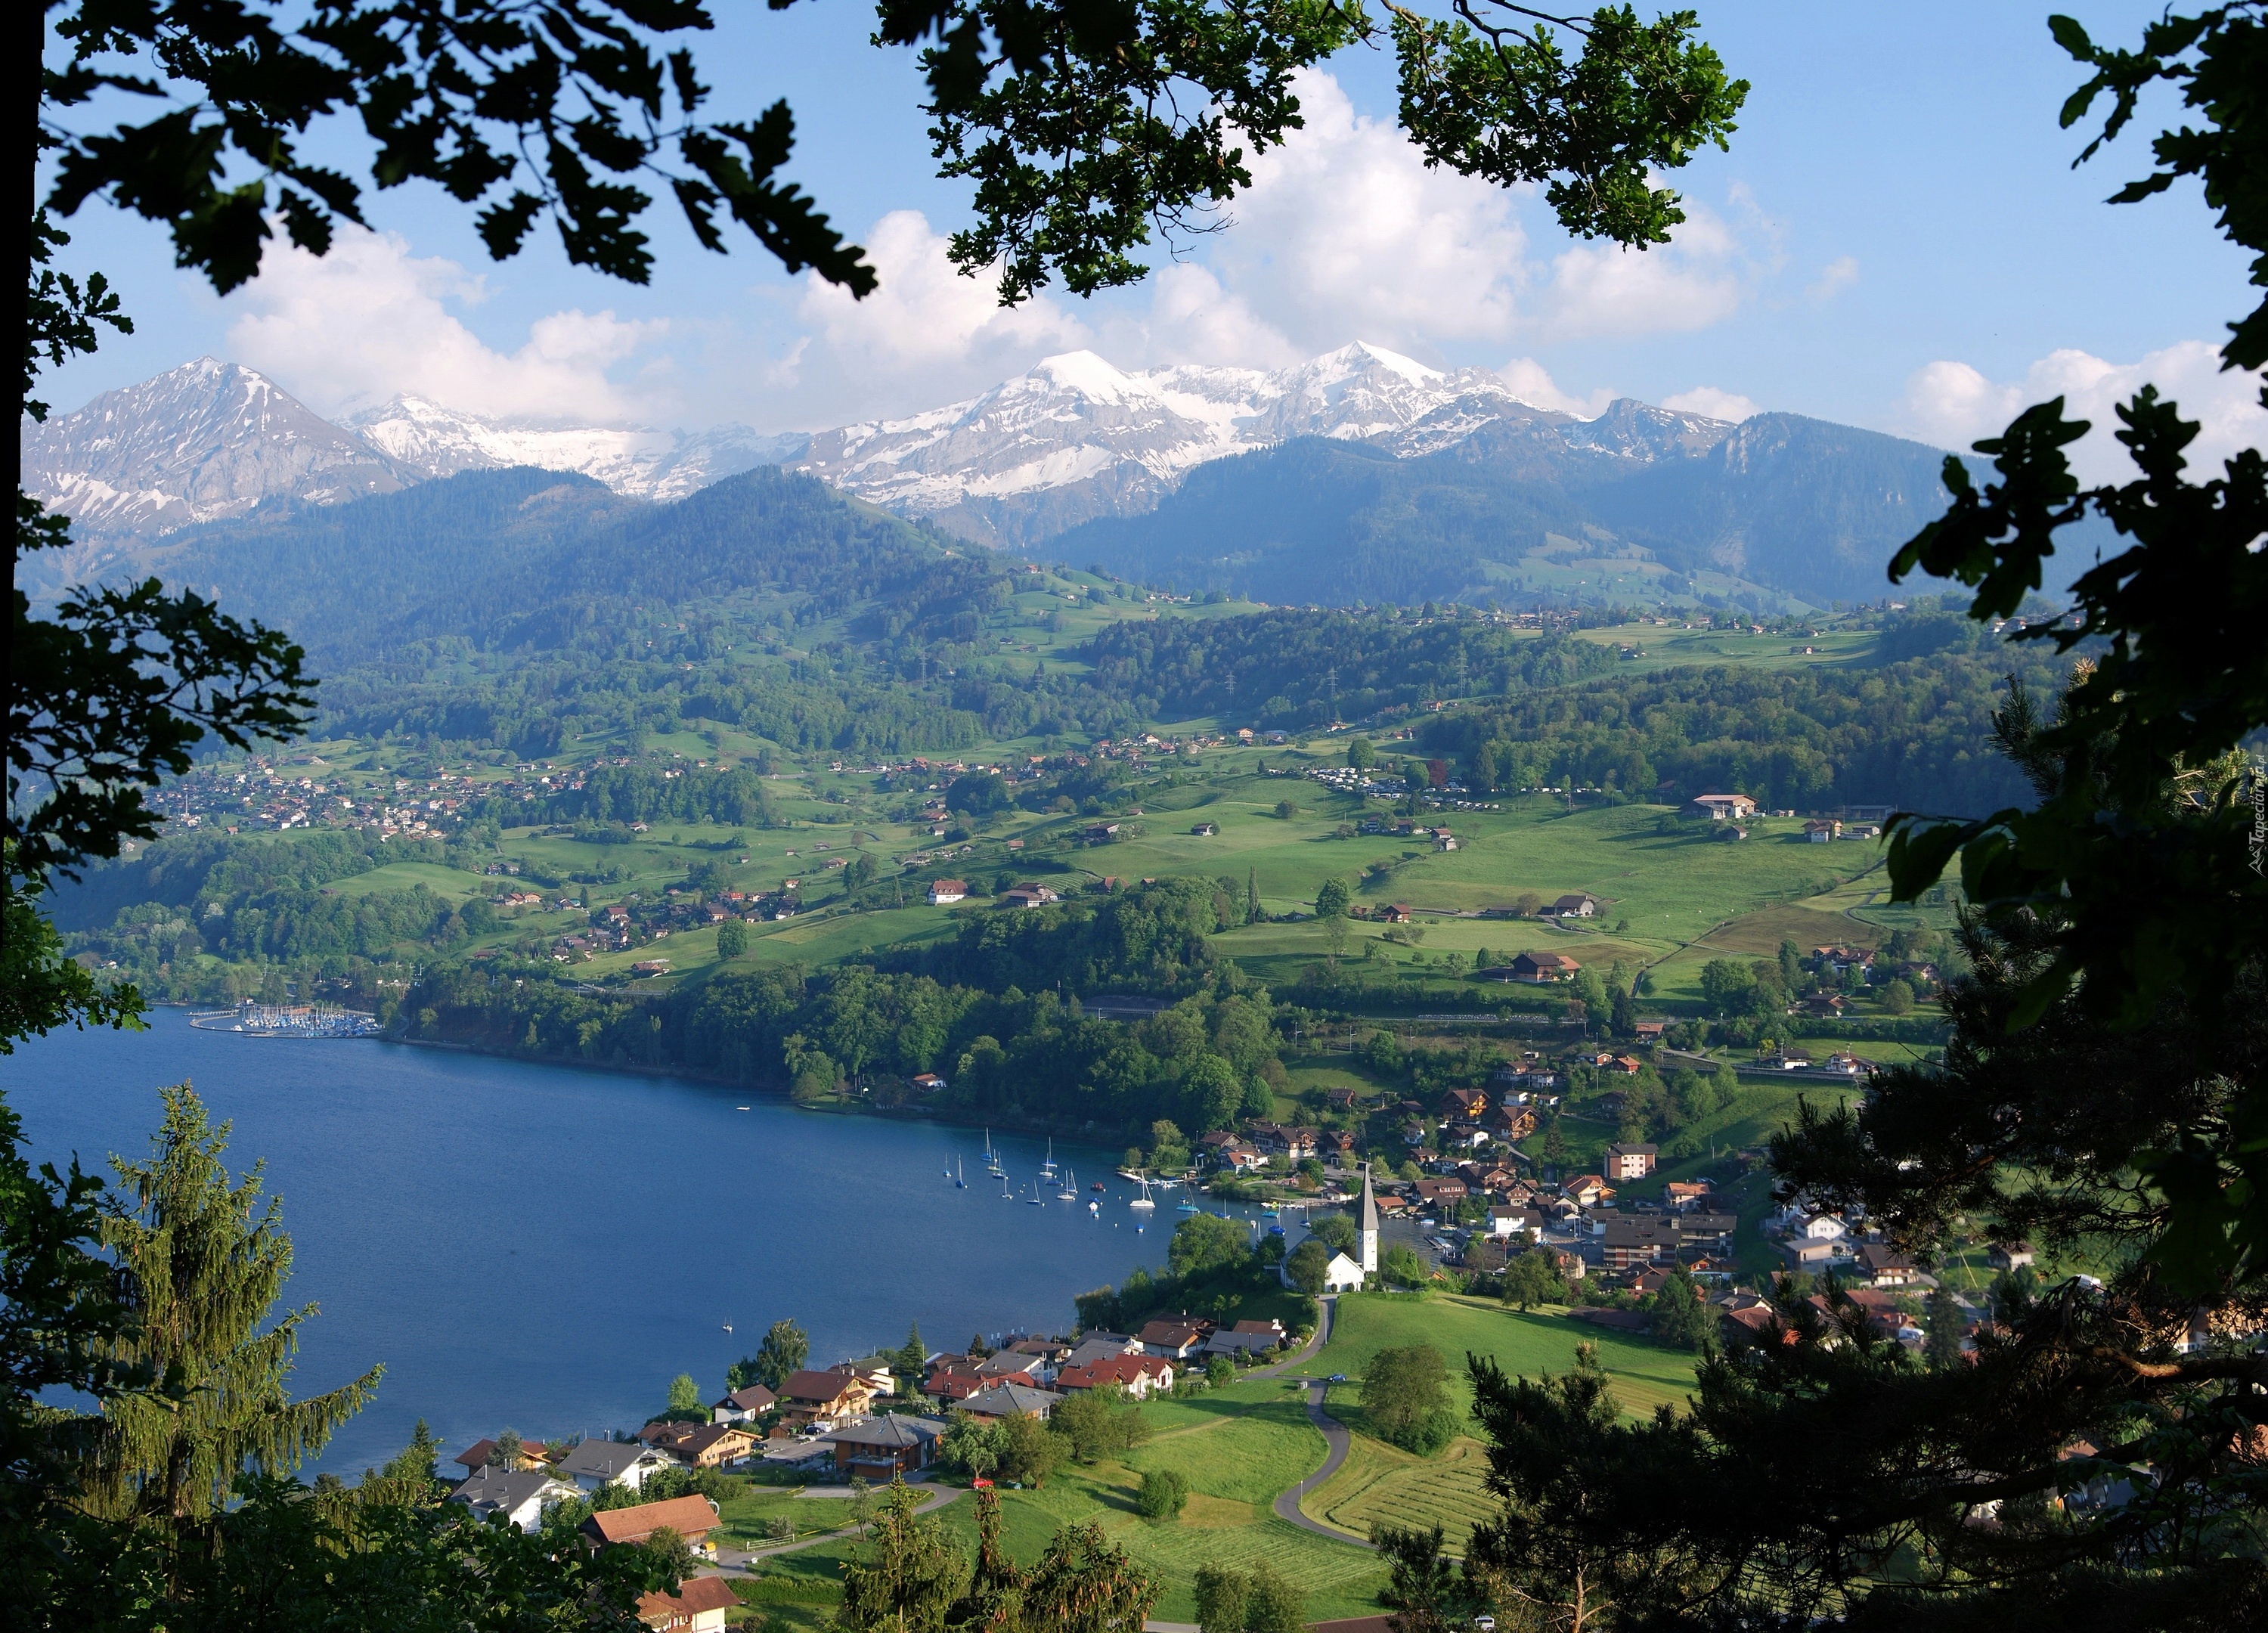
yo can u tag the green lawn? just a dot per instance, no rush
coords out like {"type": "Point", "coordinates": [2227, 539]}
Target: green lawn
{"type": "Point", "coordinates": [1237, 1447]}
{"type": "Point", "coordinates": [442, 881]}
{"type": "Point", "coordinates": [1383, 1483]}
{"type": "Point", "coordinates": [1645, 1374]}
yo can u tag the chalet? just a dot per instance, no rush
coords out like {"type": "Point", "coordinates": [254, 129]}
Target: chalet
{"type": "Point", "coordinates": [1721, 807]}
{"type": "Point", "coordinates": [1444, 839]}
{"type": "Point", "coordinates": [596, 1464]}
{"type": "Point", "coordinates": [1684, 1193]}
{"type": "Point", "coordinates": [1639, 1238]}
{"type": "Point", "coordinates": [1011, 1400]}
{"type": "Point", "coordinates": [1822, 1004]}
{"type": "Point", "coordinates": [521, 1496]}
{"type": "Point", "coordinates": [1395, 913]}
{"type": "Point", "coordinates": [1883, 1266]}
{"type": "Point", "coordinates": [692, 1518]}
{"type": "Point", "coordinates": [1339, 1143]}
{"type": "Point", "coordinates": [1205, 830]}
{"type": "Point", "coordinates": [808, 1398]}
{"type": "Point", "coordinates": [1650, 1031]}
{"type": "Point", "coordinates": [1630, 1162]}
{"type": "Point", "coordinates": [1028, 895]}
{"type": "Point", "coordinates": [1512, 1123]}
{"type": "Point", "coordinates": [743, 1405]}
{"type": "Point", "coordinates": [1586, 1190]}
{"type": "Point", "coordinates": [944, 890]}
{"type": "Point", "coordinates": [697, 1607]}
{"type": "Point", "coordinates": [1174, 1340]}
{"type": "Point", "coordinates": [1822, 830]}
{"type": "Point", "coordinates": [1097, 833]}
{"type": "Point", "coordinates": [925, 1082]}
{"type": "Point", "coordinates": [1544, 968]}
{"type": "Point", "coordinates": [1823, 1227]}
{"type": "Point", "coordinates": [1459, 1104]}
{"type": "Point", "coordinates": [1137, 1374]}
{"type": "Point", "coordinates": [1575, 906]}
{"type": "Point", "coordinates": [1434, 1193]}
{"type": "Point", "coordinates": [2009, 1255]}
{"type": "Point", "coordinates": [712, 1446]}
{"type": "Point", "coordinates": [880, 1449]}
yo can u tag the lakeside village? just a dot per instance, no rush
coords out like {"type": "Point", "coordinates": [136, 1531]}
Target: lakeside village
{"type": "Point", "coordinates": [1477, 1225]}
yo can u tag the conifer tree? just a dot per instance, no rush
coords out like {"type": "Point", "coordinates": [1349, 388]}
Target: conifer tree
{"type": "Point", "coordinates": [993, 1599]}
{"type": "Point", "coordinates": [202, 1263]}
{"type": "Point", "coordinates": [907, 1578]}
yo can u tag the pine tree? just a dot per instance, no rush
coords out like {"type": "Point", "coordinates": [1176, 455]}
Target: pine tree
{"type": "Point", "coordinates": [1252, 896]}
{"type": "Point", "coordinates": [201, 1263]}
{"type": "Point", "coordinates": [507, 1451]}
{"type": "Point", "coordinates": [907, 1579]}
{"type": "Point", "coordinates": [992, 1601]}
{"type": "Point", "coordinates": [913, 1358]}
{"type": "Point", "coordinates": [1942, 1322]}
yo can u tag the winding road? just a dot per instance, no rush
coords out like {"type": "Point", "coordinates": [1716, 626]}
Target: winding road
{"type": "Point", "coordinates": [1335, 1437]}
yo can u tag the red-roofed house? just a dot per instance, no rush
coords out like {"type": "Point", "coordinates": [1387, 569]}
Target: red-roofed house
{"type": "Point", "coordinates": [1137, 1374]}
{"type": "Point", "coordinates": [697, 1607]}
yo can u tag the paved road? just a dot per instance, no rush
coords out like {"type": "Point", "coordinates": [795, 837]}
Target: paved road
{"type": "Point", "coordinates": [1335, 1437]}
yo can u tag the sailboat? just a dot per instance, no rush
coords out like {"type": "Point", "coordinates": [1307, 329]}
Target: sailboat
{"type": "Point", "coordinates": [1035, 1200]}
{"type": "Point", "coordinates": [1143, 1202]}
{"type": "Point", "coordinates": [1070, 1191]}
{"type": "Point", "coordinates": [1048, 1167]}
{"type": "Point", "coordinates": [1188, 1204]}
{"type": "Point", "coordinates": [1006, 1195]}
{"type": "Point", "coordinates": [958, 1181]}
{"type": "Point", "coordinates": [992, 1157]}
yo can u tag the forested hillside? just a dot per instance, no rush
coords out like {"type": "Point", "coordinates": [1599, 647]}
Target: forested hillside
{"type": "Point", "coordinates": [1917, 734]}
{"type": "Point", "coordinates": [1791, 507]}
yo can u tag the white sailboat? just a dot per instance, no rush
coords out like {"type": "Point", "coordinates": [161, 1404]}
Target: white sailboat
{"type": "Point", "coordinates": [1143, 1202]}
{"type": "Point", "coordinates": [959, 1183]}
{"type": "Point", "coordinates": [1048, 1167]}
{"type": "Point", "coordinates": [992, 1157]}
{"type": "Point", "coordinates": [1070, 1191]}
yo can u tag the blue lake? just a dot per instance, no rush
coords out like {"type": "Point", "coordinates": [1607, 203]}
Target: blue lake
{"type": "Point", "coordinates": [546, 1248]}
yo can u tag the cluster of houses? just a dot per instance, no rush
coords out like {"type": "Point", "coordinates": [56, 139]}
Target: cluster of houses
{"type": "Point", "coordinates": [858, 1418]}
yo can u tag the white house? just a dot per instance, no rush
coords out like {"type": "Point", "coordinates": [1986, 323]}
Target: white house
{"type": "Point", "coordinates": [597, 1463]}
{"type": "Point", "coordinates": [520, 1494]}
{"type": "Point", "coordinates": [944, 890]}
{"type": "Point", "coordinates": [1342, 1275]}
{"type": "Point", "coordinates": [1823, 1227]}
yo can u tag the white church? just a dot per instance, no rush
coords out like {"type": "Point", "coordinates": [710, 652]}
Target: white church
{"type": "Point", "coordinates": [1344, 1275]}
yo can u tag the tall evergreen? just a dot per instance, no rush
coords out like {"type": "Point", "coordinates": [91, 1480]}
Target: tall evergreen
{"type": "Point", "coordinates": [202, 1263]}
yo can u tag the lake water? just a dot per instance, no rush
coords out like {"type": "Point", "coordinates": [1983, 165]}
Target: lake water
{"type": "Point", "coordinates": [546, 1248]}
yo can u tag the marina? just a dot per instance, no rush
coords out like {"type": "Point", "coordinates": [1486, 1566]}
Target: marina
{"type": "Point", "coordinates": [288, 1021]}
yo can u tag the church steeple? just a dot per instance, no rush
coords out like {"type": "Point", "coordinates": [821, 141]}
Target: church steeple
{"type": "Point", "coordinates": [1366, 1227]}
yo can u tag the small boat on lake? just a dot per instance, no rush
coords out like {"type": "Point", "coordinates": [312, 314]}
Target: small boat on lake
{"type": "Point", "coordinates": [1048, 1167]}
{"type": "Point", "coordinates": [1143, 1202]}
{"type": "Point", "coordinates": [1070, 1192]}
{"type": "Point", "coordinates": [1187, 1206]}
{"type": "Point", "coordinates": [959, 1183]}
{"type": "Point", "coordinates": [1098, 1185]}
{"type": "Point", "coordinates": [1035, 1200]}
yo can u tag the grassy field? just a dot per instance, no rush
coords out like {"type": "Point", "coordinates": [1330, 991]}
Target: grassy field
{"type": "Point", "coordinates": [1237, 1446]}
{"type": "Point", "coordinates": [1645, 1374]}
{"type": "Point", "coordinates": [1383, 1483]}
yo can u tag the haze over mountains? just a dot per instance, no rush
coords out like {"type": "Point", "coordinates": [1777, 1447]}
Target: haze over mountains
{"type": "Point", "coordinates": [1358, 475]}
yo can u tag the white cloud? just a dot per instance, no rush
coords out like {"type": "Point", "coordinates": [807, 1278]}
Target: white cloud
{"type": "Point", "coordinates": [1952, 404]}
{"type": "Point", "coordinates": [1345, 234]}
{"type": "Point", "coordinates": [1712, 403]}
{"type": "Point", "coordinates": [1836, 276]}
{"type": "Point", "coordinates": [1710, 267]}
{"type": "Point", "coordinates": [1531, 382]}
{"type": "Point", "coordinates": [926, 314]}
{"type": "Point", "coordinates": [1192, 318]}
{"type": "Point", "coordinates": [369, 321]}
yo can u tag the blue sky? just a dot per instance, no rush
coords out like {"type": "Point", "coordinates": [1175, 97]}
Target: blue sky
{"type": "Point", "coordinates": [1896, 239]}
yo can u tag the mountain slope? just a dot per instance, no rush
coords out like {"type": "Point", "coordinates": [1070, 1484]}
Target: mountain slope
{"type": "Point", "coordinates": [1637, 503]}
{"type": "Point", "coordinates": [526, 558]}
{"type": "Point", "coordinates": [200, 442]}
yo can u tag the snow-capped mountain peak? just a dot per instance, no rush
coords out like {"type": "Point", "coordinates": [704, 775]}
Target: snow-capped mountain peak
{"type": "Point", "coordinates": [207, 440]}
